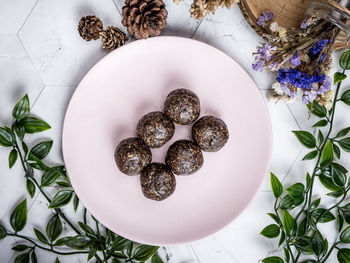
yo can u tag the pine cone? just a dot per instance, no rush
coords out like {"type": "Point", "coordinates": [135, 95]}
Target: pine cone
{"type": "Point", "coordinates": [144, 18]}
{"type": "Point", "coordinates": [90, 27]}
{"type": "Point", "coordinates": [113, 38]}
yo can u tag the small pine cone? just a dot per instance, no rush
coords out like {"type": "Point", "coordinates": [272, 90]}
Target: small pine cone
{"type": "Point", "coordinates": [144, 18]}
{"type": "Point", "coordinates": [90, 27]}
{"type": "Point", "coordinates": [113, 38]}
{"type": "Point", "coordinates": [199, 9]}
{"type": "Point", "coordinates": [228, 3]}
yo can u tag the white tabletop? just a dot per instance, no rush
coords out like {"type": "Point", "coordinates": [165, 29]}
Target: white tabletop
{"type": "Point", "coordinates": [42, 54]}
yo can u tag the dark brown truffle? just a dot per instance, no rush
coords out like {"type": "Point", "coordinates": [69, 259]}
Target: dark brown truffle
{"type": "Point", "coordinates": [157, 181]}
{"type": "Point", "coordinates": [210, 133]}
{"type": "Point", "coordinates": [184, 157]}
{"type": "Point", "coordinates": [182, 106]}
{"type": "Point", "coordinates": [132, 155]}
{"type": "Point", "coordinates": [155, 129]}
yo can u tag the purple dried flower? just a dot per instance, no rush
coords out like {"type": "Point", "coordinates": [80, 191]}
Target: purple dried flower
{"type": "Point", "coordinates": [309, 96]}
{"type": "Point", "coordinates": [274, 66]}
{"type": "Point", "coordinates": [266, 16]}
{"type": "Point", "coordinates": [325, 86]}
{"type": "Point", "coordinates": [286, 90]}
{"type": "Point", "coordinates": [265, 51]}
{"type": "Point", "coordinates": [295, 60]}
{"type": "Point", "coordinates": [318, 47]}
{"type": "Point", "coordinates": [305, 24]}
{"type": "Point", "coordinates": [258, 65]}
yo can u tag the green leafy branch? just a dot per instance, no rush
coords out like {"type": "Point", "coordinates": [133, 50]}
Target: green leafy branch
{"type": "Point", "coordinates": [98, 242]}
{"type": "Point", "coordinates": [297, 229]}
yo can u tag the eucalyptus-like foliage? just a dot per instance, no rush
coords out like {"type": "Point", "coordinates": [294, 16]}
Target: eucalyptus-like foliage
{"type": "Point", "coordinates": [296, 212]}
{"type": "Point", "coordinates": [95, 241]}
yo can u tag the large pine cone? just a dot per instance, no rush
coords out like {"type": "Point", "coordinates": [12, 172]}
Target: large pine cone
{"type": "Point", "coordinates": [90, 27]}
{"type": "Point", "coordinates": [113, 38]}
{"type": "Point", "coordinates": [144, 18]}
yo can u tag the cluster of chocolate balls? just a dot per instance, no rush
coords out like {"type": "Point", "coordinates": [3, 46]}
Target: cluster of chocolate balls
{"type": "Point", "coordinates": [184, 157]}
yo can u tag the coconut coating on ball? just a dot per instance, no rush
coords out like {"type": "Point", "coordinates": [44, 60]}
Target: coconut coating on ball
{"type": "Point", "coordinates": [132, 155]}
{"type": "Point", "coordinates": [182, 106]}
{"type": "Point", "coordinates": [184, 157]}
{"type": "Point", "coordinates": [210, 133]}
{"type": "Point", "coordinates": [155, 129]}
{"type": "Point", "coordinates": [157, 181]}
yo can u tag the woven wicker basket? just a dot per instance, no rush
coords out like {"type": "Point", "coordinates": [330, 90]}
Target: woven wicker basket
{"type": "Point", "coordinates": [288, 13]}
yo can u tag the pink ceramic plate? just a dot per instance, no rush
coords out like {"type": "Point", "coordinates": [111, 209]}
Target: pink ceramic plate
{"type": "Point", "coordinates": [135, 80]}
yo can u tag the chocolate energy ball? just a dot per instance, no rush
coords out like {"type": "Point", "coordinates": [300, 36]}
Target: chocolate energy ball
{"type": "Point", "coordinates": [132, 155]}
{"type": "Point", "coordinates": [155, 129]}
{"type": "Point", "coordinates": [182, 106]}
{"type": "Point", "coordinates": [157, 181]}
{"type": "Point", "coordinates": [210, 133]}
{"type": "Point", "coordinates": [184, 157]}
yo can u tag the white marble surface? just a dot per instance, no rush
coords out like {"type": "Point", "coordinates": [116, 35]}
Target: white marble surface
{"type": "Point", "coordinates": [42, 54]}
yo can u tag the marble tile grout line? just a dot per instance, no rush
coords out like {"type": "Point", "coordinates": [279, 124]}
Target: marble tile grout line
{"type": "Point", "coordinates": [199, 24]}
{"type": "Point", "coordinates": [117, 8]}
{"type": "Point", "coordinates": [25, 20]}
{"type": "Point", "coordinates": [296, 121]}
{"type": "Point", "coordinates": [290, 168]}
{"type": "Point", "coordinates": [194, 252]}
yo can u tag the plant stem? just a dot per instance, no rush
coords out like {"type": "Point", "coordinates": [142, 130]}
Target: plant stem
{"type": "Point", "coordinates": [45, 248]}
{"type": "Point", "coordinates": [308, 200]}
{"type": "Point", "coordinates": [329, 252]}
{"type": "Point", "coordinates": [43, 192]}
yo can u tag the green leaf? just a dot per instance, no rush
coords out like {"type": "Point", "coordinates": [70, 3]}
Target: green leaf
{"type": "Point", "coordinates": [338, 175]}
{"type": "Point", "coordinates": [309, 261]}
{"type": "Point", "coordinates": [19, 216]}
{"type": "Point", "coordinates": [92, 253]}
{"type": "Point", "coordinates": [345, 144]}
{"type": "Point", "coordinates": [288, 202]}
{"type": "Point", "coordinates": [303, 244]}
{"type": "Point", "coordinates": [144, 252]}
{"type": "Point", "coordinates": [286, 254]}
{"type": "Point", "coordinates": [20, 247]}
{"type": "Point", "coordinates": [86, 228]}
{"type": "Point", "coordinates": [119, 255]}
{"type": "Point", "coordinates": [41, 149]}
{"type": "Point", "coordinates": [61, 198]}
{"type": "Point", "coordinates": [317, 243]}
{"type": "Point", "coordinates": [336, 150]}
{"type": "Point", "coordinates": [57, 260]}
{"type": "Point", "coordinates": [345, 235]}
{"type": "Point", "coordinates": [276, 186]}
{"type": "Point", "coordinates": [13, 157]}
{"type": "Point", "coordinates": [327, 154]}
{"type": "Point", "coordinates": [30, 171]}
{"type": "Point", "coordinates": [274, 217]}
{"type": "Point", "coordinates": [340, 222]}
{"type": "Point", "coordinates": [301, 228]}
{"type": "Point", "coordinates": [41, 237]}
{"type": "Point", "coordinates": [271, 231]}
{"type": "Point", "coordinates": [327, 182]}
{"type": "Point", "coordinates": [320, 137]}
{"type": "Point", "coordinates": [65, 185]}
{"type": "Point", "coordinates": [22, 108]}
{"type": "Point", "coordinates": [288, 222]}
{"type": "Point", "coordinates": [76, 242]}
{"type": "Point", "coordinates": [22, 258]}
{"type": "Point", "coordinates": [129, 249]}
{"type": "Point", "coordinates": [54, 228]}
{"type": "Point", "coordinates": [343, 255]}
{"type": "Point", "coordinates": [308, 180]}
{"type": "Point", "coordinates": [33, 257]}
{"type": "Point", "coordinates": [346, 97]}
{"type": "Point", "coordinates": [156, 259]}
{"type": "Point", "coordinates": [3, 232]}
{"type": "Point", "coordinates": [50, 176]}
{"type": "Point", "coordinates": [321, 215]}
{"type": "Point", "coordinates": [120, 243]}
{"type": "Point", "coordinates": [6, 138]}
{"type": "Point", "coordinates": [30, 188]}
{"type": "Point", "coordinates": [321, 123]}
{"type": "Point", "coordinates": [282, 239]}
{"type": "Point", "coordinates": [296, 191]}
{"type": "Point", "coordinates": [338, 77]}
{"type": "Point", "coordinates": [336, 194]}
{"type": "Point", "coordinates": [19, 130]}
{"type": "Point", "coordinates": [306, 139]}
{"type": "Point", "coordinates": [272, 260]}
{"type": "Point", "coordinates": [317, 110]}
{"type": "Point", "coordinates": [315, 203]}
{"type": "Point", "coordinates": [34, 125]}
{"type": "Point", "coordinates": [344, 61]}
{"type": "Point", "coordinates": [310, 156]}
{"type": "Point", "coordinates": [343, 132]}
{"type": "Point", "coordinates": [75, 203]}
